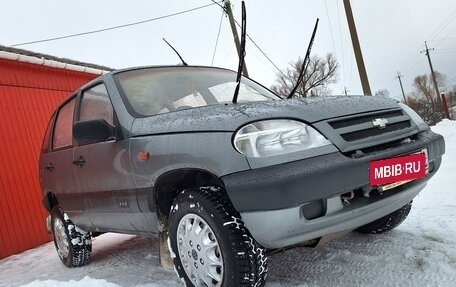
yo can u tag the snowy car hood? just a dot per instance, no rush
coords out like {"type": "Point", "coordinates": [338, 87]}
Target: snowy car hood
{"type": "Point", "coordinates": [230, 117]}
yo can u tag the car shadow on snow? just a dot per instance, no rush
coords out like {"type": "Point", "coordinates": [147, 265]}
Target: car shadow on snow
{"type": "Point", "coordinates": [365, 260]}
{"type": "Point", "coordinates": [128, 249]}
{"type": "Point", "coordinates": [128, 260]}
{"type": "Point", "coordinates": [353, 260]}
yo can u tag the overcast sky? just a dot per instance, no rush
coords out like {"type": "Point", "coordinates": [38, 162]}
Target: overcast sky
{"type": "Point", "coordinates": [391, 32]}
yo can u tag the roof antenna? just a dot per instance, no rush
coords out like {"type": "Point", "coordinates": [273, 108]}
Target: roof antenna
{"type": "Point", "coordinates": [241, 54]}
{"type": "Point", "coordinates": [305, 63]}
{"type": "Point", "coordinates": [182, 60]}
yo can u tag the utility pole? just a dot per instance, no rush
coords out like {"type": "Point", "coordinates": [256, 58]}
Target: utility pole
{"type": "Point", "coordinates": [229, 12]}
{"type": "Point", "coordinates": [357, 49]}
{"type": "Point", "coordinates": [399, 76]}
{"type": "Point", "coordinates": [436, 87]}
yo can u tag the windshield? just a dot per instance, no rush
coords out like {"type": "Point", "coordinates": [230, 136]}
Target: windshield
{"type": "Point", "coordinates": [161, 90]}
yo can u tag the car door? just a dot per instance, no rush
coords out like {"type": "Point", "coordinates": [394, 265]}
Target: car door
{"type": "Point", "coordinates": [56, 165]}
{"type": "Point", "coordinates": [102, 168]}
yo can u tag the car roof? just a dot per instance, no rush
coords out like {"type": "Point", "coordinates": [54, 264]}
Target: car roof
{"type": "Point", "coordinates": [166, 66]}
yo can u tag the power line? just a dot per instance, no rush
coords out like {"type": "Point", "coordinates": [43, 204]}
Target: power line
{"type": "Point", "coordinates": [412, 61]}
{"type": "Point", "coordinates": [264, 54]}
{"type": "Point", "coordinates": [113, 27]}
{"type": "Point", "coordinates": [341, 44]}
{"type": "Point", "coordinates": [442, 25]}
{"type": "Point", "coordinates": [220, 5]}
{"type": "Point", "coordinates": [448, 34]}
{"type": "Point", "coordinates": [351, 70]}
{"type": "Point", "coordinates": [218, 35]}
{"type": "Point", "coordinates": [442, 39]}
{"type": "Point", "coordinates": [330, 28]}
{"type": "Point", "coordinates": [446, 50]}
{"type": "Point", "coordinates": [253, 42]}
{"type": "Point", "coordinates": [416, 60]}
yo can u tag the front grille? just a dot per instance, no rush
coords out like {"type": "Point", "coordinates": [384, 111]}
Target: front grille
{"type": "Point", "coordinates": [360, 127]}
{"type": "Point", "coordinates": [363, 119]}
{"type": "Point", "coordinates": [357, 132]}
{"type": "Point", "coordinates": [376, 148]}
{"type": "Point", "coordinates": [359, 135]}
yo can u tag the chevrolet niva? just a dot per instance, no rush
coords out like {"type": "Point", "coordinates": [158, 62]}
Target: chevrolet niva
{"type": "Point", "coordinates": [166, 151]}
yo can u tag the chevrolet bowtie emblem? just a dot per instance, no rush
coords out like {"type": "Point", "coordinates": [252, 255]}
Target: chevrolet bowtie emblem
{"type": "Point", "coordinates": [380, 123]}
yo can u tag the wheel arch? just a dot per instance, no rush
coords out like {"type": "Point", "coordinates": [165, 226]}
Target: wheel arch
{"type": "Point", "coordinates": [50, 201]}
{"type": "Point", "coordinates": [170, 184]}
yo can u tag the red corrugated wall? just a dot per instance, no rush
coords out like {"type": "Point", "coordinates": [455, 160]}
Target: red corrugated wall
{"type": "Point", "coordinates": [28, 96]}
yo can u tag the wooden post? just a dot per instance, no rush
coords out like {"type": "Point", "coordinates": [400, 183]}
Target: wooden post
{"type": "Point", "coordinates": [229, 12]}
{"type": "Point", "coordinates": [357, 49]}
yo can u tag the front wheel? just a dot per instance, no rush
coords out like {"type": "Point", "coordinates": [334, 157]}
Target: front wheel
{"type": "Point", "coordinates": [386, 223]}
{"type": "Point", "coordinates": [209, 243]}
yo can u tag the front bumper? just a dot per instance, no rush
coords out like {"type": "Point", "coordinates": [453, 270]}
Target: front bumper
{"type": "Point", "coordinates": [294, 183]}
{"type": "Point", "coordinates": [275, 201]}
{"type": "Point", "coordinates": [286, 227]}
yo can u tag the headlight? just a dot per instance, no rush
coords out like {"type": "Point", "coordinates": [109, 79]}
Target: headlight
{"type": "Point", "coordinates": [274, 137]}
{"type": "Point", "coordinates": [415, 117]}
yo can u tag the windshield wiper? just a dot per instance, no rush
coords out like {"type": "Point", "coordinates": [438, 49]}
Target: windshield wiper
{"type": "Point", "coordinates": [305, 63]}
{"type": "Point", "coordinates": [182, 60]}
{"type": "Point", "coordinates": [241, 54]}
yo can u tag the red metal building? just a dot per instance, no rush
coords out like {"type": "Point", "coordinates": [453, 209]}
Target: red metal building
{"type": "Point", "coordinates": [31, 86]}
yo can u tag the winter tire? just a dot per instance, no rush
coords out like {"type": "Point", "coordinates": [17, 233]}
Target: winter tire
{"type": "Point", "coordinates": [387, 222]}
{"type": "Point", "coordinates": [73, 245]}
{"type": "Point", "coordinates": [209, 243]}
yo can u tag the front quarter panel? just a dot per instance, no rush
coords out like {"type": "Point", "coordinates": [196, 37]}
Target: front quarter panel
{"type": "Point", "coordinates": [210, 151]}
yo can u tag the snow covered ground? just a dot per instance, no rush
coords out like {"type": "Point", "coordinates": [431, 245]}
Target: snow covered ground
{"type": "Point", "coordinates": [420, 252]}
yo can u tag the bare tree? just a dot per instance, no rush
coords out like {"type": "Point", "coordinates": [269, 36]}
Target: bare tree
{"type": "Point", "coordinates": [382, 93]}
{"type": "Point", "coordinates": [425, 95]}
{"type": "Point", "coordinates": [422, 107]}
{"type": "Point", "coordinates": [320, 73]}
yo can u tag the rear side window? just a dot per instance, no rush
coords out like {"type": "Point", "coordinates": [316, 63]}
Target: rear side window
{"type": "Point", "coordinates": [47, 136]}
{"type": "Point", "coordinates": [63, 130]}
{"type": "Point", "coordinates": [95, 104]}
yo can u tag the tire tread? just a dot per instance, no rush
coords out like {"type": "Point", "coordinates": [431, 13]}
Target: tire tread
{"type": "Point", "coordinates": [250, 257]}
{"type": "Point", "coordinates": [386, 223]}
{"type": "Point", "coordinates": [79, 254]}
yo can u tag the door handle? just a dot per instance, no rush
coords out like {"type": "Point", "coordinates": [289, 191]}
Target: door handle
{"type": "Point", "coordinates": [80, 161]}
{"type": "Point", "coordinates": [49, 167]}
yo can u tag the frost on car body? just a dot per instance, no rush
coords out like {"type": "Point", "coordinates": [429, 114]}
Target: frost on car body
{"type": "Point", "coordinates": [273, 172]}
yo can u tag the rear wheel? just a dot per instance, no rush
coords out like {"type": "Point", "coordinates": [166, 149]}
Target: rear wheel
{"type": "Point", "coordinates": [209, 243]}
{"type": "Point", "coordinates": [73, 245]}
{"type": "Point", "coordinates": [387, 222]}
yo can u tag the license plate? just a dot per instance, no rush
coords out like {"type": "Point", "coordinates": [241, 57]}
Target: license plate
{"type": "Point", "coordinates": [393, 172]}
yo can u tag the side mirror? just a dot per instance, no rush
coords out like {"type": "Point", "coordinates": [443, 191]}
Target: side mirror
{"type": "Point", "coordinates": [93, 131]}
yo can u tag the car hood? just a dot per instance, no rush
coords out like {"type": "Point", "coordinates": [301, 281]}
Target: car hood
{"type": "Point", "coordinates": [230, 117]}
